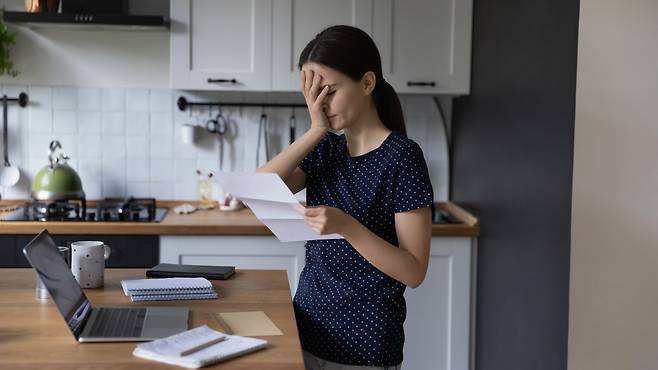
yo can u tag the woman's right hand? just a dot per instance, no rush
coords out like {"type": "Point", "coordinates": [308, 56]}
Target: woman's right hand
{"type": "Point", "coordinates": [315, 96]}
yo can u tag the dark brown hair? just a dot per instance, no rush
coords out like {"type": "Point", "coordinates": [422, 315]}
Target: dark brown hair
{"type": "Point", "coordinates": [352, 52]}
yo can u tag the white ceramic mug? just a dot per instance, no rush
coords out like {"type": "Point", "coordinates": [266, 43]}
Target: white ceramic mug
{"type": "Point", "coordinates": [88, 262]}
{"type": "Point", "coordinates": [188, 133]}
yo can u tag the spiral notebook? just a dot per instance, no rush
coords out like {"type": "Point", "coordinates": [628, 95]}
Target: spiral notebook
{"type": "Point", "coordinates": [168, 289]}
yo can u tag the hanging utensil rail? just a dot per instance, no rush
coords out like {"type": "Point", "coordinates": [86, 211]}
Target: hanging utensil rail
{"type": "Point", "coordinates": [183, 104]}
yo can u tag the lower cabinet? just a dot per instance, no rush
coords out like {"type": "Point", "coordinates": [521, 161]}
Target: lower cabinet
{"type": "Point", "coordinates": [244, 252]}
{"type": "Point", "coordinates": [439, 324]}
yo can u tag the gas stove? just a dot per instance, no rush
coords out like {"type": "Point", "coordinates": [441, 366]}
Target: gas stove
{"type": "Point", "coordinates": [106, 210]}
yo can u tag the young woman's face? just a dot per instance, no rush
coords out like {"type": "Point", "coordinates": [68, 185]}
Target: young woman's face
{"type": "Point", "coordinates": [346, 98]}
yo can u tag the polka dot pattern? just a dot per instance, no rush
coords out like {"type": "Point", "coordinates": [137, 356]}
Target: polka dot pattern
{"type": "Point", "coordinates": [347, 310]}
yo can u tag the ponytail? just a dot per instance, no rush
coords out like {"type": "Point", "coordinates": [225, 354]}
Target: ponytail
{"type": "Point", "coordinates": [388, 107]}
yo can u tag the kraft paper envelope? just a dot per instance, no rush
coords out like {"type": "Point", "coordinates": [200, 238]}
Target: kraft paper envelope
{"type": "Point", "coordinates": [249, 324]}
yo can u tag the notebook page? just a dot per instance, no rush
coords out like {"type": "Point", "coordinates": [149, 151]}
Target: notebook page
{"type": "Point", "coordinates": [186, 342]}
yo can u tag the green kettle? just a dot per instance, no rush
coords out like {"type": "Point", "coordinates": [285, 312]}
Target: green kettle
{"type": "Point", "coordinates": [57, 181]}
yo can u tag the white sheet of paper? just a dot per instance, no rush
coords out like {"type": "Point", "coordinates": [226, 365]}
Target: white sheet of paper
{"type": "Point", "coordinates": [272, 202]}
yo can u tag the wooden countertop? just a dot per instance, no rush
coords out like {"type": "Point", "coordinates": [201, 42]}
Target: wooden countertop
{"type": "Point", "coordinates": [210, 222]}
{"type": "Point", "coordinates": [34, 335]}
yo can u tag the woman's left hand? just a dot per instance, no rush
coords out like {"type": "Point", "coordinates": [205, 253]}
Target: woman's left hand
{"type": "Point", "coordinates": [325, 219]}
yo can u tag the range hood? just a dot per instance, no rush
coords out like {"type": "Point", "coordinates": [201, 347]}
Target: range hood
{"type": "Point", "coordinates": [89, 21]}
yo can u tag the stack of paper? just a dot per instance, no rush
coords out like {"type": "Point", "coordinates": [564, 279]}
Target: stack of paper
{"type": "Point", "coordinates": [272, 202]}
{"type": "Point", "coordinates": [198, 347]}
{"type": "Point", "coordinates": [168, 289]}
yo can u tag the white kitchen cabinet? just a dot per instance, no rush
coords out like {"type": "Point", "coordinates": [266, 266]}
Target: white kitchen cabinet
{"type": "Point", "coordinates": [221, 44]}
{"type": "Point", "coordinates": [425, 45]}
{"type": "Point", "coordinates": [439, 326]}
{"type": "Point", "coordinates": [296, 22]}
{"type": "Point", "coordinates": [244, 252]}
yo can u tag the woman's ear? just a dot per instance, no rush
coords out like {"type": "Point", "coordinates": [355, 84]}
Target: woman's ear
{"type": "Point", "coordinates": [368, 82]}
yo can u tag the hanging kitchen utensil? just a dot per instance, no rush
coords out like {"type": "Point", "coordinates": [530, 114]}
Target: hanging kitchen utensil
{"type": "Point", "coordinates": [10, 174]}
{"type": "Point", "coordinates": [263, 132]}
{"type": "Point", "coordinates": [293, 126]}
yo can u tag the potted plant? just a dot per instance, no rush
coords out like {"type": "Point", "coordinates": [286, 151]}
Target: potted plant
{"type": "Point", "coordinates": [7, 38]}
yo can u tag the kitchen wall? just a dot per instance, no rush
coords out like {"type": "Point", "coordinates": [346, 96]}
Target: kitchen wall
{"type": "Point", "coordinates": [513, 155]}
{"type": "Point", "coordinates": [105, 96]}
{"type": "Point", "coordinates": [614, 238]}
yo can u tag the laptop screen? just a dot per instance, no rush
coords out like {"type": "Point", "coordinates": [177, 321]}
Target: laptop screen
{"type": "Point", "coordinates": [43, 255]}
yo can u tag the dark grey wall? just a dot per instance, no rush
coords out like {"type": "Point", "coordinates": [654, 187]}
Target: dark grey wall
{"type": "Point", "coordinates": [512, 167]}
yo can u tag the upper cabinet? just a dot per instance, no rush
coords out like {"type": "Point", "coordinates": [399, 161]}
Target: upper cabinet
{"type": "Point", "coordinates": [221, 44]}
{"type": "Point", "coordinates": [298, 21]}
{"type": "Point", "coordinates": [425, 44]}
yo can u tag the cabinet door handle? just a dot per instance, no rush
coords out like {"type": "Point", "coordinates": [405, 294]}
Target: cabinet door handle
{"type": "Point", "coordinates": [222, 80]}
{"type": "Point", "coordinates": [421, 83]}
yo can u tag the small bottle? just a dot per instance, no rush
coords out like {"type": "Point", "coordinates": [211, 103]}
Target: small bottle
{"type": "Point", "coordinates": [205, 191]}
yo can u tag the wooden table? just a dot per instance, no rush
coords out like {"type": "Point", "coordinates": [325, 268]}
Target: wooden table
{"type": "Point", "coordinates": [33, 334]}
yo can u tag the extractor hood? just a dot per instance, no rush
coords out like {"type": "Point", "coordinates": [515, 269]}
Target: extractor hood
{"type": "Point", "coordinates": [88, 21]}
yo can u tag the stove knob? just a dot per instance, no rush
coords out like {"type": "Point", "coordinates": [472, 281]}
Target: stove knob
{"type": "Point", "coordinates": [106, 216]}
{"type": "Point", "coordinates": [135, 215]}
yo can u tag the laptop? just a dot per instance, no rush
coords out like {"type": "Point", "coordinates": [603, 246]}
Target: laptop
{"type": "Point", "coordinates": [98, 324]}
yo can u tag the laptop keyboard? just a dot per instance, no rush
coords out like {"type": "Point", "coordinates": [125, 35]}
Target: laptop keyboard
{"type": "Point", "coordinates": [118, 322]}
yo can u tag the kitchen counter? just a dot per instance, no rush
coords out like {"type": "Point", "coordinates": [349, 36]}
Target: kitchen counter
{"type": "Point", "coordinates": [210, 222]}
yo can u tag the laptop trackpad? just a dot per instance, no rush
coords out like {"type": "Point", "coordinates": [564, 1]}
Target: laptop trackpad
{"type": "Point", "coordinates": [164, 321]}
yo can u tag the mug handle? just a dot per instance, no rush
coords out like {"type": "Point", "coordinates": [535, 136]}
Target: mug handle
{"type": "Point", "coordinates": [107, 252]}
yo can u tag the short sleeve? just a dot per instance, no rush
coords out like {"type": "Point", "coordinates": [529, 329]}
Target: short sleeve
{"type": "Point", "coordinates": [413, 188]}
{"type": "Point", "coordinates": [314, 160]}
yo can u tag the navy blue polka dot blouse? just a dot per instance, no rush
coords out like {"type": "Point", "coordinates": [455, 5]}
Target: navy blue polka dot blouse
{"type": "Point", "coordinates": [347, 310]}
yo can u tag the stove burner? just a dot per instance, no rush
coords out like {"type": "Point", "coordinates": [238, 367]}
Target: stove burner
{"type": "Point", "coordinates": [59, 210]}
{"type": "Point", "coordinates": [128, 209]}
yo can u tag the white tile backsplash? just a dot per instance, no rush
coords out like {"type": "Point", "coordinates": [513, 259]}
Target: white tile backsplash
{"type": "Point", "coordinates": [89, 99]}
{"type": "Point", "coordinates": [89, 122]}
{"type": "Point", "coordinates": [137, 123]}
{"type": "Point", "coordinates": [41, 120]}
{"type": "Point", "coordinates": [160, 100]}
{"type": "Point", "coordinates": [114, 100]}
{"type": "Point", "coordinates": [113, 170]}
{"type": "Point", "coordinates": [127, 141]}
{"type": "Point", "coordinates": [114, 189]}
{"type": "Point", "coordinates": [138, 170]}
{"type": "Point", "coordinates": [138, 189]}
{"type": "Point", "coordinates": [113, 123]}
{"type": "Point", "coordinates": [42, 96]}
{"type": "Point", "coordinates": [137, 147]}
{"type": "Point", "coordinates": [113, 147]}
{"type": "Point", "coordinates": [137, 100]}
{"type": "Point", "coordinates": [89, 145]}
{"type": "Point", "coordinates": [65, 122]}
{"type": "Point", "coordinates": [89, 170]}
{"type": "Point", "coordinates": [64, 98]}
{"type": "Point", "coordinates": [162, 170]}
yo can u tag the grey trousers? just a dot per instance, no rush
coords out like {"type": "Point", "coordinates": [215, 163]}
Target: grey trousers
{"type": "Point", "coordinates": [312, 362]}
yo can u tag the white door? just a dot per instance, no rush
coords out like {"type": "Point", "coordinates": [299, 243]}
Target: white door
{"type": "Point", "coordinates": [296, 22]}
{"type": "Point", "coordinates": [221, 44]}
{"type": "Point", "coordinates": [425, 44]}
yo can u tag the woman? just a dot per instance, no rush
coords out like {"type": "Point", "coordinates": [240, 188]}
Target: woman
{"type": "Point", "coordinates": [369, 185]}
